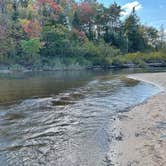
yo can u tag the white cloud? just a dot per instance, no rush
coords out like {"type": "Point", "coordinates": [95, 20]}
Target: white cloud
{"type": "Point", "coordinates": [129, 7]}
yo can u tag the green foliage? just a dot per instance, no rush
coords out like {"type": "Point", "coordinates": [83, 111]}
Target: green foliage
{"type": "Point", "coordinates": [134, 38]}
{"type": "Point", "coordinates": [31, 46]}
{"type": "Point", "coordinates": [31, 49]}
{"type": "Point", "coordinates": [140, 59]}
{"type": "Point", "coordinates": [99, 52]}
{"type": "Point", "coordinates": [55, 39]}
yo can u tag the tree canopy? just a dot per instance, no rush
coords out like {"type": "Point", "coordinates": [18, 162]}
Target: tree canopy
{"type": "Point", "coordinates": [66, 28]}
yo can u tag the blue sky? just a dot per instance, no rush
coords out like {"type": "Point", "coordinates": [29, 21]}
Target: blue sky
{"type": "Point", "coordinates": [151, 12]}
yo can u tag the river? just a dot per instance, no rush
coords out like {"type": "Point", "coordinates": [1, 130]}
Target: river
{"type": "Point", "coordinates": [61, 118]}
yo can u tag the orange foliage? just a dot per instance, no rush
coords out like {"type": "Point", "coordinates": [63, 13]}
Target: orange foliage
{"type": "Point", "coordinates": [32, 28]}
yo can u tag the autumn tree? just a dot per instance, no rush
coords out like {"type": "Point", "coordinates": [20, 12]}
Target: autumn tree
{"type": "Point", "coordinates": [43, 29]}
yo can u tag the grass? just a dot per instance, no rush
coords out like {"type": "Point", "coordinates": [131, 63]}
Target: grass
{"type": "Point", "coordinates": [140, 59]}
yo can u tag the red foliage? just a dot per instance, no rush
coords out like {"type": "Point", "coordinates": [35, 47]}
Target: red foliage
{"type": "Point", "coordinates": [79, 34]}
{"type": "Point", "coordinates": [32, 28]}
{"type": "Point", "coordinates": [85, 11]}
{"type": "Point", "coordinates": [85, 8]}
{"type": "Point", "coordinates": [51, 3]}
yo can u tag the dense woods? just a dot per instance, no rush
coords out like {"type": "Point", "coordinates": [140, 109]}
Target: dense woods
{"type": "Point", "coordinates": [58, 33]}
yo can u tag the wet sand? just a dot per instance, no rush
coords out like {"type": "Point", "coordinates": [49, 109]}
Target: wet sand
{"type": "Point", "coordinates": [138, 137]}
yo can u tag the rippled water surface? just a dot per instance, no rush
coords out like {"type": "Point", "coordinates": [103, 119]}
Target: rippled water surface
{"type": "Point", "coordinates": [61, 118]}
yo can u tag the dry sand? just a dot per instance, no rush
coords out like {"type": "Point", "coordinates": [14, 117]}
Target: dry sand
{"type": "Point", "coordinates": [138, 137]}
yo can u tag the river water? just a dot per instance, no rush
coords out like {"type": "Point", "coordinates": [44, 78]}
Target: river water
{"type": "Point", "coordinates": [61, 118]}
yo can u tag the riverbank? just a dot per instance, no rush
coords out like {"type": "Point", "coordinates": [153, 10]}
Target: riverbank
{"type": "Point", "coordinates": [10, 70]}
{"type": "Point", "coordinates": [138, 137]}
{"type": "Point", "coordinates": [117, 61]}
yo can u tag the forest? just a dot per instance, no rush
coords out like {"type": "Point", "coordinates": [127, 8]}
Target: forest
{"type": "Point", "coordinates": [60, 34]}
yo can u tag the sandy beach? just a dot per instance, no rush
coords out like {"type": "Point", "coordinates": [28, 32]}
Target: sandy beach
{"type": "Point", "coordinates": [138, 137]}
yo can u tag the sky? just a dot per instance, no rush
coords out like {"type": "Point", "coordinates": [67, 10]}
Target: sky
{"type": "Point", "coordinates": [151, 12]}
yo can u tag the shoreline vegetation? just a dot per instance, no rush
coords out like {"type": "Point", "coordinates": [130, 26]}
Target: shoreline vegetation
{"type": "Point", "coordinates": [138, 136]}
{"type": "Point", "coordinates": [67, 35]}
{"type": "Point", "coordinates": [133, 60]}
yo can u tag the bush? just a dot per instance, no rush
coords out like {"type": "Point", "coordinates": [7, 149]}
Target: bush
{"type": "Point", "coordinates": [31, 49]}
{"type": "Point", "coordinates": [99, 53]}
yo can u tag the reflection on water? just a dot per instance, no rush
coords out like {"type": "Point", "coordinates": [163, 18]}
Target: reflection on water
{"type": "Point", "coordinates": [67, 127]}
{"type": "Point", "coordinates": [19, 86]}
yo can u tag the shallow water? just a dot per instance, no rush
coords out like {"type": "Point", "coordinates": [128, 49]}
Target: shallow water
{"type": "Point", "coordinates": [61, 119]}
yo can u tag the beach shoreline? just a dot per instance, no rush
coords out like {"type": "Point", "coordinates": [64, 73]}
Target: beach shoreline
{"type": "Point", "coordinates": [138, 137]}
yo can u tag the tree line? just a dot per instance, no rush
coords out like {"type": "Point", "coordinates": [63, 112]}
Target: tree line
{"type": "Point", "coordinates": [65, 32]}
